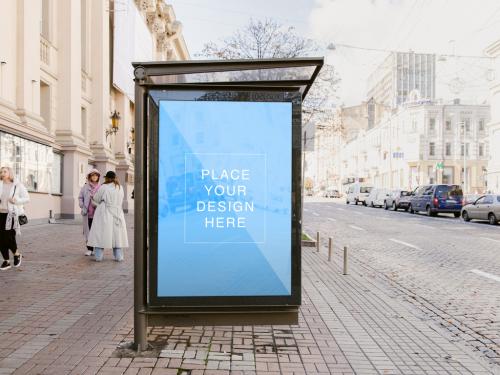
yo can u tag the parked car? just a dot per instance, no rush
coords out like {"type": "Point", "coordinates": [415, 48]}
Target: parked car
{"type": "Point", "coordinates": [377, 197]}
{"type": "Point", "coordinates": [358, 193]}
{"type": "Point", "coordinates": [435, 199]}
{"type": "Point", "coordinates": [332, 193]}
{"type": "Point", "coordinates": [486, 207]}
{"type": "Point", "coordinates": [398, 199]}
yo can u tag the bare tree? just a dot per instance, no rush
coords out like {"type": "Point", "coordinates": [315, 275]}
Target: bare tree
{"type": "Point", "coordinates": [270, 39]}
{"type": "Point", "coordinates": [260, 40]}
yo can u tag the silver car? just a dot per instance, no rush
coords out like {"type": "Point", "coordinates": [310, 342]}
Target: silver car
{"type": "Point", "coordinates": [486, 207]}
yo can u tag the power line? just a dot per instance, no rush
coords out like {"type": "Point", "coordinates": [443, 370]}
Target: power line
{"type": "Point", "coordinates": [333, 46]}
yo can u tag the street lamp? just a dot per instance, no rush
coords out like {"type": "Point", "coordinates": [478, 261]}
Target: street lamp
{"type": "Point", "coordinates": [115, 123]}
{"type": "Point", "coordinates": [465, 159]}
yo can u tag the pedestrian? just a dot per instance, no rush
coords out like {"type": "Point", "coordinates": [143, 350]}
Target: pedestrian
{"type": "Point", "coordinates": [13, 195]}
{"type": "Point", "coordinates": [87, 192]}
{"type": "Point", "coordinates": [108, 228]}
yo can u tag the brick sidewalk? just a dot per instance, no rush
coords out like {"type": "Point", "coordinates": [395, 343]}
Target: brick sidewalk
{"type": "Point", "coordinates": [63, 314]}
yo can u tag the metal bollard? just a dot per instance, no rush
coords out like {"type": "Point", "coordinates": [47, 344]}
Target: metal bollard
{"type": "Point", "coordinates": [317, 242]}
{"type": "Point", "coordinates": [345, 260]}
{"type": "Point", "coordinates": [329, 249]}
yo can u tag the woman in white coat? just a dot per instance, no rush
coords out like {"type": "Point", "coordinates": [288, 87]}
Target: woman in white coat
{"type": "Point", "coordinates": [13, 195]}
{"type": "Point", "coordinates": [108, 228]}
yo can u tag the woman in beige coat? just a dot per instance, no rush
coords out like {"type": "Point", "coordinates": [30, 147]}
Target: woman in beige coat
{"type": "Point", "coordinates": [108, 228]}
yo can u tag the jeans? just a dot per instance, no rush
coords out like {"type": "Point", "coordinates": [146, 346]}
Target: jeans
{"type": "Point", "coordinates": [117, 253]}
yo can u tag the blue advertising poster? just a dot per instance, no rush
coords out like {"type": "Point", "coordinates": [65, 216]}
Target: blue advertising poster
{"type": "Point", "coordinates": [224, 199]}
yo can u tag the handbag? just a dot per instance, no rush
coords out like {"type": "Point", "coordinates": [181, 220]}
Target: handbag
{"type": "Point", "coordinates": [23, 219]}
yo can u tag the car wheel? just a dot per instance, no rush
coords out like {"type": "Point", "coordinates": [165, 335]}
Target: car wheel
{"type": "Point", "coordinates": [356, 202]}
{"type": "Point", "coordinates": [465, 216]}
{"type": "Point", "coordinates": [346, 202]}
{"type": "Point", "coordinates": [394, 208]}
{"type": "Point", "coordinates": [364, 203]}
{"type": "Point", "coordinates": [429, 211]}
{"type": "Point", "coordinates": [410, 208]}
{"type": "Point", "coordinates": [492, 219]}
{"type": "Point", "coordinates": [386, 207]}
{"type": "Point", "coordinates": [456, 214]}
{"type": "Point", "coordinates": [372, 205]}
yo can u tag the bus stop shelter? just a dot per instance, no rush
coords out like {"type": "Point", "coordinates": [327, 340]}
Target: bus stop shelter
{"type": "Point", "coordinates": [218, 192]}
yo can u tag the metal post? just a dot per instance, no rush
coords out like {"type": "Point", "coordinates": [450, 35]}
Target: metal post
{"type": "Point", "coordinates": [345, 260]}
{"type": "Point", "coordinates": [317, 242]}
{"type": "Point", "coordinates": [329, 249]}
{"type": "Point", "coordinates": [140, 318]}
{"type": "Point", "coordinates": [465, 162]}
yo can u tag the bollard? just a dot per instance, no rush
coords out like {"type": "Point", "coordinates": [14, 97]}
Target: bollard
{"type": "Point", "coordinates": [317, 242]}
{"type": "Point", "coordinates": [51, 217]}
{"type": "Point", "coordinates": [329, 249]}
{"type": "Point", "coordinates": [345, 260]}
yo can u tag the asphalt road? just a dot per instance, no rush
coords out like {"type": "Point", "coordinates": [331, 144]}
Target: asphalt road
{"type": "Point", "coordinates": [448, 269]}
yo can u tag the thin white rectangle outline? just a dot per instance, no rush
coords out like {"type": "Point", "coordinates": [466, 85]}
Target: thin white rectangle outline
{"type": "Point", "coordinates": [265, 196]}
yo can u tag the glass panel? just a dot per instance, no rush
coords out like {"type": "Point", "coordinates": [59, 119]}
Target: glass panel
{"type": "Point", "coordinates": [276, 74]}
{"type": "Point", "coordinates": [31, 165]}
{"type": "Point", "coordinates": [43, 171]}
{"type": "Point", "coordinates": [56, 173]}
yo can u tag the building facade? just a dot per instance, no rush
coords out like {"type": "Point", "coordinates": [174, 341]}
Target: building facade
{"type": "Point", "coordinates": [422, 144]}
{"type": "Point", "coordinates": [402, 74]}
{"type": "Point", "coordinates": [60, 85]}
{"type": "Point", "coordinates": [493, 177]}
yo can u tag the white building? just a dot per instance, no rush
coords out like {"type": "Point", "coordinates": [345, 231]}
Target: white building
{"type": "Point", "coordinates": [400, 74]}
{"type": "Point", "coordinates": [64, 70]}
{"type": "Point", "coordinates": [422, 143]}
{"type": "Point", "coordinates": [493, 176]}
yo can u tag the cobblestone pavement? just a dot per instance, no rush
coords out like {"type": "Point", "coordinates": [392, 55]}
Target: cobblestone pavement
{"type": "Point", "coordinates": [63, 314]}
{"type": "Point", "coordinates": [439, 264]}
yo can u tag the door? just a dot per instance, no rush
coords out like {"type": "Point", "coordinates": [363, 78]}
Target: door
{"type": "Point", "coordinates": [478, 209]}
{"type": "Point", "coordinates": [486, 207]}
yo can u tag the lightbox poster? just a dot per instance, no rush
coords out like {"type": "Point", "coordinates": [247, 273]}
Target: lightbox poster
{"type": "Point", "coordinates": [224, 198]}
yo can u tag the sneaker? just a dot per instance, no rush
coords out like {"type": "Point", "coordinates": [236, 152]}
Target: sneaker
{"type": "Point", "coordinates": [5, 265]}
{"type": "Point", "coordinates": [17, 260]}
{"type": "Point", "coordinates": [89, 253]}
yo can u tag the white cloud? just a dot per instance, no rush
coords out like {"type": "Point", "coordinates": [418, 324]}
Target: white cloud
{"type": "Point", "coordinates": [419, 25]}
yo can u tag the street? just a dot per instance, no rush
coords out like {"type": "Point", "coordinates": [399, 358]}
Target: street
{"type": "Point", "coordinates": [448, 269]}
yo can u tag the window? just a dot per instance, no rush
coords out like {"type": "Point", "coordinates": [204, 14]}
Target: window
{"type": "Point", "coordinates": [481, 149]}
{"type": "Point", "coordinates": [448, 125]}
{"type": "Point", "coordinates": [488, 199]}
{"type": "Point", "coordinates": [467, 124]}
{"type": "Point", "coordinates": [448, 149]}
{"type": "Point", "coordinates": [481, 125]}
{"type": "Point", "coordinates": [466, 150]}
{"type": "Point", "coordinates": [481, 200]}
{"type": "Point", "coordinates": [83, 34]}
{"type": "Point", "coordinates": [45, 103]}
{"type": "Point", "coordinates": [84, 122]}
{"type": "Point", "coordinates": [45, 21]}
{"type": "Point", "coordinates": [432, 149]}
{"type": "Point", "coordinates": [34, 164]}
{"type": "Point", "coordinates": [447, 175]}
{"type": "Point", "coordinates": [432, 125]}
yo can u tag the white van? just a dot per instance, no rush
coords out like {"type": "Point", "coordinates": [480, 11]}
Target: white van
{"type": "Point", "coordinates": [358, 193]}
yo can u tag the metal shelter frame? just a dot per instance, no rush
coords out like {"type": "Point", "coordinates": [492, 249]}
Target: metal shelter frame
{"type": "Point", "coordinates": [291, 75]}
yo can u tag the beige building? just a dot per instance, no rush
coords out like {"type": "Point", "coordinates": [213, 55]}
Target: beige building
{"type": "Point", "coordinates": [64, 71]}
{"type": "Point", "coordinates": [493, 176]}
{"type": "Point", "coordinates": [422, 144]}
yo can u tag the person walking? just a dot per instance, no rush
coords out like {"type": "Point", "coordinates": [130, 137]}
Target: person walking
{"type": "Point", "coordinates": [87, 192]}
{"type": "Point", "coordinates": [13, 195]}
{"type": "Point", "coordinates": [108, 228]}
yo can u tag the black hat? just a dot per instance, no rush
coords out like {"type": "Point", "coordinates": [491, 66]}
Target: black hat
{"type": "Point", "coordinates": [110, 174]}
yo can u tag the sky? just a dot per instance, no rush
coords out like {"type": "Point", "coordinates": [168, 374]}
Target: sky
{"type": "Point", "coordinates": [452, 27]}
